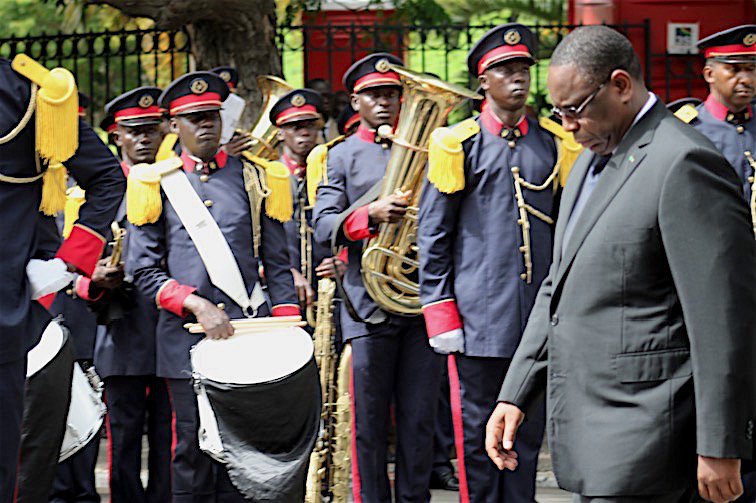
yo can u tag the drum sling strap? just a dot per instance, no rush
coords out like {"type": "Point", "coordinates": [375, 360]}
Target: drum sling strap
{"type": "Point", "coordinates": [378, 316]}
{"type": "Point", "coordinates": [211, 245]}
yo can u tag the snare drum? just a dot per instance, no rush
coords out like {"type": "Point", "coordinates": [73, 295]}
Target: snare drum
{"type": "Point", "coordinates": [86, 410]}
{"type": "Point", "coordinates": [258, 396]}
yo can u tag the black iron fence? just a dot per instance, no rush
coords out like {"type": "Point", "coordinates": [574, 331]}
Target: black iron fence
{"type": "Point", "coordinates": [320, 51]}
{"type": "Point", "coordinates": [109, 63]}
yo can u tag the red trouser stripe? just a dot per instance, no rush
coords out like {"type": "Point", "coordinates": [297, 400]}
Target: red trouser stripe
{"type": "Point", "coordinates": [356, 482]}
{"type": "Point", "coordinates": [110, 445]}
{"type": "Point", "coordinates": [173, 425]}
{"type": "Point", "coordinates": [459, 432]}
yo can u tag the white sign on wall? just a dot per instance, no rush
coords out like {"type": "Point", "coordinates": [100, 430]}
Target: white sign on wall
{"type": "Point", "coordinates": [682, 38]}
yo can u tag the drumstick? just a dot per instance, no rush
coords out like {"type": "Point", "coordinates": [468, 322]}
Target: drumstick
{"type": "Point", "coordinates": [254, 324]}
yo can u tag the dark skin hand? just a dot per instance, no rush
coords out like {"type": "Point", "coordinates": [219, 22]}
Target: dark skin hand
{"type": "Point", "coordinates": [238, 143]}
{"type": "Point", "coordinates": [107, 276]}
{"type": "Point", "coordinates": [329, 267]}
{"type": "Point", "coordinates": [304, 290]}
{"type": "Point", "coordinates": [214, 321]}
{"type": "Point", "coordinates": [390, 209]}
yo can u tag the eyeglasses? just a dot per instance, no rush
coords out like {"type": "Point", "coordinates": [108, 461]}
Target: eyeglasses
{"type": "Point", "coordinates": [574, 113]}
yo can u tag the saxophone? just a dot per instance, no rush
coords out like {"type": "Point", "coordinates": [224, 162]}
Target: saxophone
{"type": "Point", "coordinates": [305, 251]}
{"type": "Point", "coordinates": [330, 460]}
{"type": "Point", "coordinates": [117, 243]}
{"type": "Point", "coordinates": [390, 260]}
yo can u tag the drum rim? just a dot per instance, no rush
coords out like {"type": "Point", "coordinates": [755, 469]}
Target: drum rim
{"type": "Point", "coordinates": [66, 336]}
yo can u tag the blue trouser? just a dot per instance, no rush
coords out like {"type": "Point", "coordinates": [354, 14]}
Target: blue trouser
{"type": "Point", "coordinates": [196, 477]}
{"type": "Point", "coordinates": [134, 401]}
{"type": "Point", "coordinates": [12, 377]}
{"type": "Point", "coordinates": [399, 365]}
{"type": "Point", "coordinates": [443, 437]}
{"type": "Point", "coordinates": [474, 384]}
{"type": "Point", "coordinates": [75, 478]}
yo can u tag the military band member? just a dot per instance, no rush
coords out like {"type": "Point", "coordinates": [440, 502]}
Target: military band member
{"type": "Point", "coordinates": [169, 269]}
{"type": "Point", "coordinates": [298, 115]}
{"type": "Point", "coordinates": [125, 346]}
{"type": "Point", "coordinates": [486, 247]}
{"type": "Point", "coordinates": [349, 121]}
{"type": "Point", "coordinates": [390, 353]}
{"type": "Point", "coordinates": [25, 153]}
{"type": "Point", "coordinates": [727, 115]}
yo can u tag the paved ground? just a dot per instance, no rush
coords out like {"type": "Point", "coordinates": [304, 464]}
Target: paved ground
{"type": "Point", "coordinates": [547, 491]}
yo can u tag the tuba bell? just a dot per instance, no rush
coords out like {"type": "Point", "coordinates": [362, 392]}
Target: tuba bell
{"type": "Point", "coordinates": [264, 141]}
{"type": "Point", "coordinates": [390, 260]}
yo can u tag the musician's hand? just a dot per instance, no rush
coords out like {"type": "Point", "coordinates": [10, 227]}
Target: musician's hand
{"type": "Point", "coordinates": [719, 479]}
{"type": "Point", "coordinates": [329, 267]}
{"type": "Point", "coordinates": [389, 209]}
{"type": "Point", "coordinates": [304, 290]}
{"type": "Point", "coordinates": [238, 143]}
{"type": "Point", "coordinates": [107, 276]}
{"type": "Point", "coordinates": [214, 321]}
{"type": "Point", "coordinates": [500, 435]}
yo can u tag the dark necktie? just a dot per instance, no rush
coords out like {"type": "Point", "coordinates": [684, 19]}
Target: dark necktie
{"type": "Point", "coordinates": [599, 163]}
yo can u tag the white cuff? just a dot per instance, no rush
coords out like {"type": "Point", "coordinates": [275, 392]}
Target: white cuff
{"type": "Point", "coordinates": [452, 341]}
{"type": "Point", "coordinates": [47, 276]}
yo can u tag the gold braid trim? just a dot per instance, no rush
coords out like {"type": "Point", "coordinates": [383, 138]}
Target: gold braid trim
{"type": "Point", "coordinates": [752, 179]}
{"type": "Point", "coordinates": [24, 120]}
{"type": "Point", "coordinates": [525, 209]}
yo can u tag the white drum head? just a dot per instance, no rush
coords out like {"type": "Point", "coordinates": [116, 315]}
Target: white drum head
{"type": "Point", "coordinates": [253, 358]}
{"type": "Point", "coordinates": [47, 348]}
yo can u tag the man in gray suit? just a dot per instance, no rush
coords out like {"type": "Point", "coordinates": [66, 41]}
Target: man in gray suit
{"type": "Point", "coordinates": [643, 332]}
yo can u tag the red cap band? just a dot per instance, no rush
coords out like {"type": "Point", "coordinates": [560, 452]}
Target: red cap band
{"type": "Point", "coordinates": [137, 113]}
{"type": "Point", "coordinates": [501, 53]}
{"type": "Point", "coordinates": [191, 101]}
{"type": "Point", "coordinates": [376, 79]}
{"type": "Point", "coordinates": [297, 113]}
{"type": "Point", "coordinates": [351, 122]}
{"type": "Point", "coordinates": [726, 50]}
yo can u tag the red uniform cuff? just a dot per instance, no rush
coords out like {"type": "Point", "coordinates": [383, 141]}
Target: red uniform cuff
{"type": "Point", "coordinates": [441, 317]}
{"type": "Point", "coordinates": [84, 289]}
{"type": "Point", "coordinates": [171, 297]}
{"type": "Point", "coordinates": [357, 225]}
{"type": "Point", "coordinates": [286, 310]}
{"type": "Point", "coordinates": [47, 300]}
{"type": "Point", "coordinates": [82, 249]}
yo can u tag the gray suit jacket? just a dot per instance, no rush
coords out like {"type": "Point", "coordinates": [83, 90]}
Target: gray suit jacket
{"type": "Point", "coordinates": [643, 333]}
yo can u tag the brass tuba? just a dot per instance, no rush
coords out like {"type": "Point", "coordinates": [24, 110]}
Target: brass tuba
{"type": "Point", "coordinates": [390, 260]}
{"type": "Point", "coordinates": [264, 141]}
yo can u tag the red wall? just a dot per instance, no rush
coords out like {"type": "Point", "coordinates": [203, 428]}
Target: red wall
{"type": "Point", "coordinates": [712, 16]}
{"type": "Point", "coordinates": [330, 60]}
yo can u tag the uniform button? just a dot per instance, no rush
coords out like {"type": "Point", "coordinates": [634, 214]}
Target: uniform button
{"type": "Point", "coordinates": [523, 276]}
{"type": "Point", "coordinates": [749, 429]}
{"type": "Point", "coordinates": [204, 178]}
{"type": "Point", "coordinates": [208, 203]}
{"type": "Point", "coordinates": [554, 320]}
{"type": "Point", "coordinates": [221, 306]}
{"type": "Point", "coordinates": [69, 292]}
{"type": "Point", "coordinates": [739, 129]}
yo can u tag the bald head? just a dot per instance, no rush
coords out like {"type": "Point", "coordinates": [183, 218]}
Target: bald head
{"type": "Point", "coordinates": [596, 51]}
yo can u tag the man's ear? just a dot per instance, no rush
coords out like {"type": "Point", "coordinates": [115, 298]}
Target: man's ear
{"type": "Point", "coordinates": [174, 125]}
{"type": "Point", "coordinates": [483, 81]}
{"type": "Point", "coordinates": [117, 138]}
{"type": "Point", "coordinates": [623, 83]}
{"type": "Point", "coordinates": [355, 99]}
{"type": "Point", "coordinates": [708, 73]}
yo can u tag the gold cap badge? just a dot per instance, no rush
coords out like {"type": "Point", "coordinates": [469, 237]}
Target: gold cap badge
{"type": "Point", "coordinates": [749, 39]}
{"type": "Point", "coordinates": [225, 75]}
{"type": "Point", "coordinates": [382, 65]}
{"type": "Point", "coordinates": [512, 37]}
{"type": "Point", "coordinates": [146, 101]}
{"type": "Point", "coordinates": [198, 86]}
{"type": "Point", "coordinates": [298, 100]}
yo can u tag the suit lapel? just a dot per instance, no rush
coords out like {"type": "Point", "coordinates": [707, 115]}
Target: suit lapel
{"type": "Point", "coordinates": [571, 191]}
{"type": "Point", "coordinates": [629, 154]}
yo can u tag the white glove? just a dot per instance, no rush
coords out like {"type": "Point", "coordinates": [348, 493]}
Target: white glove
{"type": "Point", "coordinates": [452, 341]}
{"type": "Point", "coordinates": [47, 276]}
